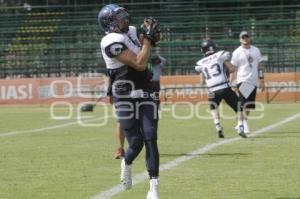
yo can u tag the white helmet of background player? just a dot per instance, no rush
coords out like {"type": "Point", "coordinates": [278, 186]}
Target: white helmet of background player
{"type": "Point", "coordinates": [114, 18]}
{"type": "Point", "coordinates": [208, 47]}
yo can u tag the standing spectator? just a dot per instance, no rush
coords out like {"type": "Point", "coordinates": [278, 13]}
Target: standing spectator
{"type": "Point", "coordinates": [157, 63]}
{"type": "Point", "coordinates": [246, 58]}
{"type": "Point", "coordinates": [120, 137]}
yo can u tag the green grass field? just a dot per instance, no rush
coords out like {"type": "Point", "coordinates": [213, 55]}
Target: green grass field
{"type": "Point", "coordinates": [44, 158]}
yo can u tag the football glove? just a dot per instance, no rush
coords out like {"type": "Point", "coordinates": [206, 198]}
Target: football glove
{"type": "Point", "coordinates": [151, 30]}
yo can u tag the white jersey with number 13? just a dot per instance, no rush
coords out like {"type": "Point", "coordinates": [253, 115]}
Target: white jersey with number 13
{"type": "Point", "coordinates": [213, 70]}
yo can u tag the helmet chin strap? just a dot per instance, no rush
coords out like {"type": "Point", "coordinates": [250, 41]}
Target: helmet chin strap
{"type": "Point", "coordinates": [125, 30]}
{"type": "Point", "coordinates": [119, 30]}
{"type": "Point", "coordinates": [210, 52]}
{"type": "Point", "coordinates": [115, 28]}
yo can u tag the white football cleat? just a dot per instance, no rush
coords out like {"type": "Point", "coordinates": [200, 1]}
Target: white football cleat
{"type": "Point", "coordinates": [241, 132]}
{"type": "Point", "coordinates": [153, 190]}
{"type": "Point", "coordinates": [126, 180]}
{"type": "Point", "coordinates": [236, 127]}
{"type": "Point", "coordinates": [246, 128]}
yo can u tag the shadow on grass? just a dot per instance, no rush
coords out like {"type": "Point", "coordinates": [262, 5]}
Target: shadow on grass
{"type": "Point", "coordinates": [280, 134]}
{"type": "Point", "coordinates": [226, 154]}
{"type": "Point", "coordinates": [207, 154]}
{"type": "Point", "coordinates": [284, 132]}
{"type": "Point", "coordinates": [288, 198]}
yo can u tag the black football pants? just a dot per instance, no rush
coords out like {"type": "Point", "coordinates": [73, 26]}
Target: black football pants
{"type": "Point", "coordinates": [138, 119]}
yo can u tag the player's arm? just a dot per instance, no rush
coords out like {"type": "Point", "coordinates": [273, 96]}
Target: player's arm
{"type": "Point", "coordinates": [137, 61]}
{"type": "Point", "coordinates": [198, 68]}
{"type": "Point", "coordinates": [233, 75]}
{"type": "Point", "coordinates": [229, 66]}
{"type": "Point", "coordinates": [225, 57]}
{"type": "Point", "coordinates": [162, 60]}
{"type": "Point", "coordinates": [232, 79]}
{"type": "Point", "coordinates": [202, 79]}
{"type": "Point", "coordinates": [260, 72]}
{"type": "Point", "coordinates": [231, 69]}
{"type": "Point", "coordinates": [150, 30]}
{"type": "Point", "coordinates": [261, 77]}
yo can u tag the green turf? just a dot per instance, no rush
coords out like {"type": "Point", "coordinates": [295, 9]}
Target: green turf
{"type": "Point", "coordinates": [76, 162]}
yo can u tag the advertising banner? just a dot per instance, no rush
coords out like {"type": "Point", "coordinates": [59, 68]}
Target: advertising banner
{"type": "Point", "coordinates": [280, 87]}
{"type": "Point", "coordinates": [49, 90]}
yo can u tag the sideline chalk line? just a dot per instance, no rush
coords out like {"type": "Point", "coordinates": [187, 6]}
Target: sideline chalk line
{"type": "Point", "coordinates": [11, 133]}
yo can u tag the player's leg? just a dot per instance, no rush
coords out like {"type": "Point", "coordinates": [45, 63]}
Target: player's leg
{"type": "Point", "coordinates": [247, 104]}
{"type": "Point", "coordinates": [135, 144]}
{"type": "Point", "coordinates": [232, 100]}
{"type": "Point", "coordinates": [130, 126]}
{"type": "Point", "coordinates": [120, 137]}
{"type": "Point", "coordinates": [245, 122]}
{"type": "Point", "coordinates": [214, 101]}
{"type": "Point", "coordinates": [126, 111]}
{"type": "Point", "coordinates": [149, 120]}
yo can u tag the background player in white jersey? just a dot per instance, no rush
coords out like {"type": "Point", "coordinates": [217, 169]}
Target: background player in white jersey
{"type": "Point", "coordinates": [158, 62]}
{"type": "Point", "coordinates": [246, 58]}
{"type": "Point", "coordinates": [213, 68]}
{"type": "Point", "coordinates": [126, 62]}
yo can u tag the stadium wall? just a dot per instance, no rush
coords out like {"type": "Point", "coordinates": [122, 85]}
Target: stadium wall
{"type": "Point", "coordinates": [281, 87]}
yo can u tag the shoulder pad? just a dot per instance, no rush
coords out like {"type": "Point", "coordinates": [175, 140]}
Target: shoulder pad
{"type": "Point", "coordinates": [225, 55]}
{"type": "Point", "coordinates": [113, 44]}
{"type": "Point", "coordinates": [199, 62]}
{"type": "Point", "coordinates": [198, 67]}
{"type": "Point", "coordinates": [132, 29]}
{"type": "Point", "coordinates": [114, 49]}
{"type": "Point", "coordinates": [111, 38]}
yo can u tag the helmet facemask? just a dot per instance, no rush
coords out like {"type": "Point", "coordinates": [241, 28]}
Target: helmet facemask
{"type": "Point", "coordinates": [121, 21]}
{"type": "Point", "coordinates": [208, 47]}
{"type": "Point", "coordinates": [209, 50]}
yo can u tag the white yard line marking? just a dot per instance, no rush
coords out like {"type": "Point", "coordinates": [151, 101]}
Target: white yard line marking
{"type": "Point", "coordinates": [11, 133]}
{"type": "Point", "coordinates": [174, 163]}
